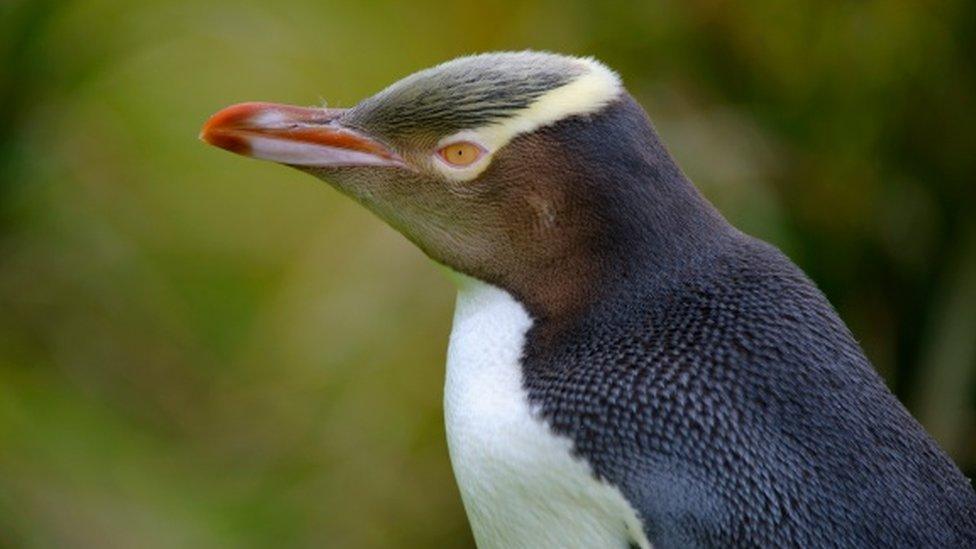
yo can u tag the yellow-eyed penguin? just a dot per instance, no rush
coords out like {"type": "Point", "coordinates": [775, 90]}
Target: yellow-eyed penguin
{"type": "Point", "coordinates": [626, 369]}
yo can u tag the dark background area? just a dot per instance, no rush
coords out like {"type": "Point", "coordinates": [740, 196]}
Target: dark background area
{"type": "Point", "coordinates": [198, 350]}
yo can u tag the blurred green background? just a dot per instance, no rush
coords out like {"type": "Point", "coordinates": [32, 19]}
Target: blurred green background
{"type": "Point", "coordinates": [199, 350]}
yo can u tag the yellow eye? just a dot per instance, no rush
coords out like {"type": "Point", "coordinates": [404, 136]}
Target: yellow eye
{"type": "Point", "coordinates": [461, 154]}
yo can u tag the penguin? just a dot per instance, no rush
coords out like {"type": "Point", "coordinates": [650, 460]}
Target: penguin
{"type": "Point", "coordinates": [625, 368]}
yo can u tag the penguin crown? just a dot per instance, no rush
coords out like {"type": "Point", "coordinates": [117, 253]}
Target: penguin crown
{"type": "Point", "coordinates": [520, 89]}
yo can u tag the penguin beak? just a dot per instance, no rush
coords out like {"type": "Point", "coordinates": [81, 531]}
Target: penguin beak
{"type": "Point", "coordinates": [297, 136]}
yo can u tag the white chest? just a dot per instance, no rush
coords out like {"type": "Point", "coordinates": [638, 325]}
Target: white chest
{"type": "Point", "coordinates": [520, 484]}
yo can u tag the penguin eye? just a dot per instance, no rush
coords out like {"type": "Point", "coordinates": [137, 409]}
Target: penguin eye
{"type": "Point", "coordinates": [462, 154]}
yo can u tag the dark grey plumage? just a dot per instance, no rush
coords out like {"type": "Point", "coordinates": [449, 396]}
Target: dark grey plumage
{"type": "Point", "coordinates": [712, 382]}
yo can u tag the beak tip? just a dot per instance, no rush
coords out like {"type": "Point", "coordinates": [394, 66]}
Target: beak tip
{"type": "Point", "coordinates": [228, 141]}
{"type": "Point", "coordinates": [221, 129]}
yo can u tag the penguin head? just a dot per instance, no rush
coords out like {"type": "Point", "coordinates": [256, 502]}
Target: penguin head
{"type": "Point", "coordinates": [524, 170]}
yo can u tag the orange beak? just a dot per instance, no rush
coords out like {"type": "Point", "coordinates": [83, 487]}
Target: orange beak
{"type": "Point", "coordinates": [297, 136]}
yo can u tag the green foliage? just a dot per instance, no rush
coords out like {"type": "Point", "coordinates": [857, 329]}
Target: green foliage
{"type": "Point", "coordinates": [200, 351]}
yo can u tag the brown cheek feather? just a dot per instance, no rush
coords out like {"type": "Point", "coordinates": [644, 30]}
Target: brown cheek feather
{"type": "Point", "coordinates": [541, 241]}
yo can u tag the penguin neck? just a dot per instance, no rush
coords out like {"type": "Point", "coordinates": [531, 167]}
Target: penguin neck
{"type": "Point", "coordinates": [645, 254]}
{"type": "Point", "coordinates": [655, 225]}
{"type": "Point", "coordinates": [629, 221]}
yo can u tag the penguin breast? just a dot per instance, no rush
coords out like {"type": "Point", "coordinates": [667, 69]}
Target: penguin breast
{"type": "Point", "coordinates": [520, 482]}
